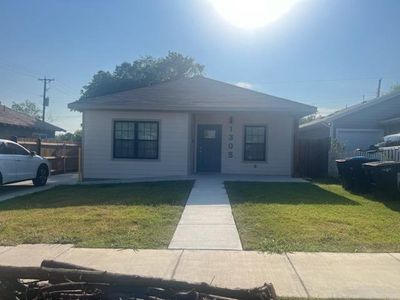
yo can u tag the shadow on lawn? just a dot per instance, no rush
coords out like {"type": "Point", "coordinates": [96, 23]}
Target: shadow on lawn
{"type": "Point", "coordinates": [144, 194]}
{"type": "Point", "coordinates": [391, 201]}
{"type": "Point", "coordinates": [283, 193]}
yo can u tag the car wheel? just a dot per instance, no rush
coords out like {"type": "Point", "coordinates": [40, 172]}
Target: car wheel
{"type": "Point", "coordinates": [41, 176]}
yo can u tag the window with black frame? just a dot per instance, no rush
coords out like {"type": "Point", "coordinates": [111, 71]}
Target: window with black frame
{"type": "Point", "coordinates": [255, 143]}
{"type": "Point", "coordinates": [136, 139]}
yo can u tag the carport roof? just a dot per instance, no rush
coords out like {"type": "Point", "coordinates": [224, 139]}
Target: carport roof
{"type": "Point", "coordinates": [193, 94]}
{"type": "Point", "coordinates": [350, 110]}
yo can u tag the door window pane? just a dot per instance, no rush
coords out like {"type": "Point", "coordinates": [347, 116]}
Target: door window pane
{"type": "Point", "coordinates": [210, 134]}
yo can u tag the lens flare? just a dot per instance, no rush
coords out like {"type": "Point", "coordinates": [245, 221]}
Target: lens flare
{"type": "Point", "coordinates": [252, 13]}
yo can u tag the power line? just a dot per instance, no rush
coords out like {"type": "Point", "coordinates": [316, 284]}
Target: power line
{"type": "Point", "coordinates": [63, 91]}
{"type": "Point", "coordinates": [66, 86]}
{"type": "Point", "coordinates": [20, 72]}
{"type": "Point", "coordinates": [45, 99]}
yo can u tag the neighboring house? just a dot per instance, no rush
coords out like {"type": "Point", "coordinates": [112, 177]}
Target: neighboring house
{"type": "Point", "coordinates": [16, 124]}
{"type": "Point", "coordinates": [188, 126]}
{"type": "Point", "coordinates": [358, 126]}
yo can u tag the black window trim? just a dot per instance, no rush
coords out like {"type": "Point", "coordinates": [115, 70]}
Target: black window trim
{"type": "Point", "coordinates": [265, 144]}
{"type": "Point", "coordinates": [136, 139]}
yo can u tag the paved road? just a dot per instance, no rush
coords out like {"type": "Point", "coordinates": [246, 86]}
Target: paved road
{"type": "Point", "coordinates": [314, 275]}
{"type": "Point", "coordinates": [22, 188]}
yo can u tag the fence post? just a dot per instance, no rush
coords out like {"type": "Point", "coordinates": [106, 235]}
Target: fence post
{"type": "Point", "coordinates": [39, 146]}
{"type": "Point", "coordinates": [64, 162]}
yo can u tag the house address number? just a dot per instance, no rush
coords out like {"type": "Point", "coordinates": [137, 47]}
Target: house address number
{"type": "Point", "coordinates": [230, 138]}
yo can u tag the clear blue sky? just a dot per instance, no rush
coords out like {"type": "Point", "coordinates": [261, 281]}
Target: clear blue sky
{"type": "Point", "coordinates": [327, 53]}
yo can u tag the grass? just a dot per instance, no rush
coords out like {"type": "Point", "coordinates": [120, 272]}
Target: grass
{"type": "Point", "coordinates": [139, 215]}
{"type": "Point", "coordinates": [278, 217]}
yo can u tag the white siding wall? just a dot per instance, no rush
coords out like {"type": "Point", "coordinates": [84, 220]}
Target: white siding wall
{"type": "Point", "coordinates": [280, 130]}
{"type": "Point", "coordinates": [98, 145]}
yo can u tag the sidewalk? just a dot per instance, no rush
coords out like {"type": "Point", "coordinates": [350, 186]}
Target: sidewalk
{"type": "Point", "coordinates": [207, 221]}
{"type": "Point", "coordinates": [315, 275]}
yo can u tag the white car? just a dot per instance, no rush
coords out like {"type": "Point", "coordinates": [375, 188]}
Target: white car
{"type": "Point", "coordinates": [18, 164]}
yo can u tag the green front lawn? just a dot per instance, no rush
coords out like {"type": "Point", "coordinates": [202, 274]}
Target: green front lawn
{"type": "Point", "coordinates": [138, 215]}
{"type": "Point", "coordinates": [280, 217]}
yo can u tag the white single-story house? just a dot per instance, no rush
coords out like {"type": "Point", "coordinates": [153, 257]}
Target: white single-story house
{"type": "Point", "coordinates": [358, 126]}
{"type": "Point", "coordinates": [188, 126]}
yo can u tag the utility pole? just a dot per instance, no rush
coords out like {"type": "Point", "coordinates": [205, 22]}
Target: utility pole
{"type": "Point", "coordinates": [45, 99]}
{"type": "Point", "coordinates": [378, 92]}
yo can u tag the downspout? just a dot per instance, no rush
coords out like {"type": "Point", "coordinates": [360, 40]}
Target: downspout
{"type": "Point", "coordinates": [295, 154]}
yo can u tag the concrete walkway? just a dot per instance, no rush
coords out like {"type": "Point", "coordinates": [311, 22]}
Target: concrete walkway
{"type": "Point", "coordinates": [302, 275]}
{"type": "Point", "coordinates": [207, 221]}
{"type": "Point", "coordinates": [23, 188]}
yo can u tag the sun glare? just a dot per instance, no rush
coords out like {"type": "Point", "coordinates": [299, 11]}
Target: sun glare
{"type": "Point", "coordinates": [252, 13]}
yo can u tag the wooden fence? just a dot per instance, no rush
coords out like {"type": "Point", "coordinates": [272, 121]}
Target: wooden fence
{"type": "Point", "coordinates": [63, 156]}
{"type": "Point", "coordinates": [311, 158]}
{"type": "Point", "coordinates": [384, 153]}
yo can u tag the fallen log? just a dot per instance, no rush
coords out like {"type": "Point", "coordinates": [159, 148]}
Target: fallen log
{"type": "Point", "coordinates": [63, 276]}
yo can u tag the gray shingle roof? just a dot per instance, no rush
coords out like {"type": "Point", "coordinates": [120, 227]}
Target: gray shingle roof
{"type": "Point", "coordinates": [13, 118]}
{"type": "Point", "coordinates": [193, 94]}
{"type": "Point", "coordinates": [348, 111]}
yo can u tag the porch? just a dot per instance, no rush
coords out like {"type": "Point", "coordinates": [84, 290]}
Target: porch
{"type": "Point", "coordinates": [253, 143]}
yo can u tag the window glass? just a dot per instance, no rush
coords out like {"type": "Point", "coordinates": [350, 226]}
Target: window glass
{"type": "Point", "coordinates": [255, 134]}
{"type": "Point", "coordinates": [147, 131]}
{"type": "Point", "coordinates": [124, 148]}
{"type": "Point", "coordinates": [210, 134]}
{"type": "Point", "coordinates": [3, 148]}
{"type": "Point", "coordinates": [134, 139]}
{"type": "Point", "coordinates": [255, 152]}
{"type": "Point", "coordinates": [255, 143]}
{"type": "Point", "coordinates": [124, 130]}
{"type": "Point", "coordinates": [147, 149]}
{"type": "Point", "coordinates": [16, 149]}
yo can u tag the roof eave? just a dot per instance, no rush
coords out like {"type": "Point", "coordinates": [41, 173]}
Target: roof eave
{"type": "Point", "coordinates": [35, 127]}
{"type": "Point", "coordinates": [299, 112]}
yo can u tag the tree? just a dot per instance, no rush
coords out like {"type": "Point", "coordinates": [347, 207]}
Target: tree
{"type": "Point", "coordinates": [142, 72]}
{"type": "Point", "coordinates": [395, 88]}
{"type": "Point", "coordinates": [27, 107]}
{"type": "Point", "coordinates": [71, 137]}
{"type": "Point", "coordinates": [309, 118]}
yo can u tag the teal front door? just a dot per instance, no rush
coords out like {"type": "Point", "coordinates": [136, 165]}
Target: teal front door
{"type": "Point", "coordinates": [209, 148]}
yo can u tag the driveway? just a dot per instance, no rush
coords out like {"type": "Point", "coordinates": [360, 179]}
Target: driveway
{"type": "Point", "coordinates": [22, 188]}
